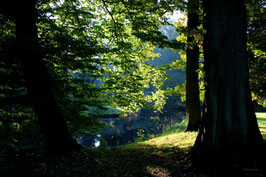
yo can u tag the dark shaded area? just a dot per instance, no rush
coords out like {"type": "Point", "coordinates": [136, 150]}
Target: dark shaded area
{"type": "Point", "coordinates": [261, 119]}
{"type": "Point", "coordinates": [192, 67]}
{"type": "Point", "coordinates": [142, 160]}
{"type": "Point", "coordinates": [229, 133]}
{"type": "Point", "coordinates": [258, 108]}
{"type": "Point", "coordinates": [136, 160]}
{"type": "Point", "coordinates": [38, 82]}
{"type": "Point", "coordinates": [131, 161]}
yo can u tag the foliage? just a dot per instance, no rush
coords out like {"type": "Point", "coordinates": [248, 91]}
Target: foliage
{"type": "Point", "coordinates": [70, 56]}
{"type": "Point", "coordinates": [117, 58]}
{"type": "Point", "coordinates": [256, 50]}
{"type": "Point", "coordinates": [96, 52]}
{"type": "Point", "coordinates": [133, 30]}
{"type": "Point", "coordinates": [141, 134]}
{"type": "Point", "coordinates": [181, 28]}
{"type": "Point", "coordinates": [176, 128]}
{"type": "Point", "coordinates": [18, 124]}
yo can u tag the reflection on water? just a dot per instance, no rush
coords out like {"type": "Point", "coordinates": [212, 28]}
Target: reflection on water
{"type": "Point", "coordinates": [97, 141]}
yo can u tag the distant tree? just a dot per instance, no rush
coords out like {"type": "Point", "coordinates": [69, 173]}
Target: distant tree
{"type": "Point", "coordinates": [256, 49]}
{"type": "Point", "coordinates": [192, 66]}
{"type": "Point", "coordinates": [229, 131]}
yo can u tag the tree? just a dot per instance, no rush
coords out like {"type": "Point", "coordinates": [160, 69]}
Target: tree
{"type": "Point", "coordinates": [192, 66]}
{"type": "Point", "coordinates": [229, 131]}
{"type": "Point", "coordinates": [76, 45]}
{"type": "Point", "coordinates": [38, 83]}
{"type": "Point", "coordinates": [135, 28]}
{"type": "Point", "coordinates": [256, 50]}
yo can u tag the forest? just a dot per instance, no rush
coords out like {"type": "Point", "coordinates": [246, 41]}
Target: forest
{"type": "Point", "coordinates": [156, 88]}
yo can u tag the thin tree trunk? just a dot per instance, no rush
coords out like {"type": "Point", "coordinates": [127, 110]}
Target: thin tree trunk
{"type": "Point", "coordinates": [192, 65]}
{"type": "Point", "coordinates": [39, 86]}
{"type": "Point", "coordinates": [229, 131]}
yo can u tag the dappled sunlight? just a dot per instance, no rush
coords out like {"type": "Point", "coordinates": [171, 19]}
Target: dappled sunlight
{"type": "Point", "coordinates": [182, 140]}
{"type": "Point", "coordinates": [157, 171]}
{"type": "Point", "coordinates": [109, 88]}
{"type": "Point", "coordinates": [261, 117]}
{"type": "Point", "coordinates": [143, 159]}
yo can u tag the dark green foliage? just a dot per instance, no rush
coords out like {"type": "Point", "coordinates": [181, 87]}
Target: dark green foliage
{"type": "Point", "coordinates": [18, 124]}
{"type": "Point", "coordinates": [96, 55]}
{"type": "Point", "coordinates": [93, 59]}
{"type": "Point", "coordinates": [69, 56]}
{"type": "Point", "coordinates": [146, 25]}
{"type": "Point", "coordinates": [256, 50]}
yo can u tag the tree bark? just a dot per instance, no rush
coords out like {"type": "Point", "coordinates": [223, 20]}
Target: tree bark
{"type": "Point", "coordinates": [229, 131]}
{"type": "Point", "coordinates": [38, 83]}
{"type": "Point", "coordinates": [192, 65]}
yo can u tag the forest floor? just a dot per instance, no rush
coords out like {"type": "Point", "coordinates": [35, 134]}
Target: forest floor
{"type": "Point", "coordinates": [164, 156]}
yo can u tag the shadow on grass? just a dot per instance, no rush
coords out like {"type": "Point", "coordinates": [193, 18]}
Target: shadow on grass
{"type": "Point", "coordinates": [261, 119]}
{"type": "Point", "coordinates": [141, 160]}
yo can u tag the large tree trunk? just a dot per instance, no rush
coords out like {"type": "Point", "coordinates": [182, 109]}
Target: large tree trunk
{"type": "Point", "coordinates": [229, 131]}
{"type": "Point", "coordinates": [38, 84]}
{"type": "Point", "coordinates": [192, 65]}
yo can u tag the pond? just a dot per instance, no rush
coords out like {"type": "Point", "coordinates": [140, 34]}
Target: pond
{"type": "Point", "coordinates": [130, 129]}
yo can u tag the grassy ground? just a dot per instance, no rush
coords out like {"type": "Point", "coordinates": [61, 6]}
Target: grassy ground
{"type": "Point", "coordinates": [164, 156]}
{"type": "Point", "coordinates": [261, 117]}
{"type": "Point", "coordinates": [130, 161]}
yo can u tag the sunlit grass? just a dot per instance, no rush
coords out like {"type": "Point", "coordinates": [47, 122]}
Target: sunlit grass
{"type": "Point", "coordinates": [181, 140]}
{"type": "Point", "coordinates": [177, 137]}
{"type": "Point", "coordinates": [261, 117]}
{"type": "Point", "coordinates": [177, 128]}
{"type": "Point", "coordinates": [174, 137]}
